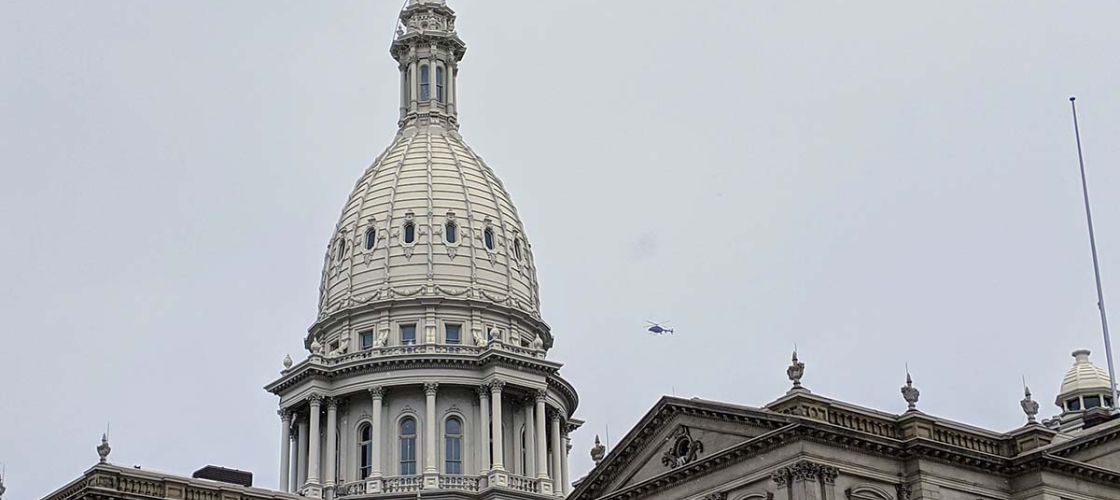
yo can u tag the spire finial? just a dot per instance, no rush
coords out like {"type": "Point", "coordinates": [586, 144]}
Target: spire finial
{"type": "Point", "coordinates": [103, 449]}
{"type": "Point", "coordinates": [910, 393]}
{"type": "Point", "coordinates": [795, 371]}
{"type": "Point", "coordinates": [598, 451]}
{"type": "Point", "coordinates": [1030, 406]}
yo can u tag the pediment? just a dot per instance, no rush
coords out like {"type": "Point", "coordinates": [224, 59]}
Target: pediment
{"type": "Point", "coordinates": [677, 433]}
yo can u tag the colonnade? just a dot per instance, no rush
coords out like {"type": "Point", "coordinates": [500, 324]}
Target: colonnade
{"type": "Point", "coordinates": [302, 431]}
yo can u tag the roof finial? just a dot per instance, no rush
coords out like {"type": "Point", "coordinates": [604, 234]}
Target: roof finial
{"type": "Point", "coordinates": [910, 393]}
{"type": "Point", "coordinates": [287, 361]}
{"type": "Point", "coordinates": [795, 371]}
{"type": "Point", "coordinates": [598, 451]}
{"type": "Point", "coordinates": [2, 488]}
{"type": "Point", "coordinates": [1030, 406]}
{"type": "Point", "coordinates": [103, 449]}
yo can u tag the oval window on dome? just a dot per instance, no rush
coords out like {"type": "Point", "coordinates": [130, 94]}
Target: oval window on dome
{"type": "Point", "coordinates": [371, 238]}
{"type": "Point", "coordinates": [409, 232]}
{"type": "Point", "coordinates": [488, 239]}
{"type": "Point", "coordinates": [451, 232]}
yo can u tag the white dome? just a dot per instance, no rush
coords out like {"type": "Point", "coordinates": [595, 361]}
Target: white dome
{"type": "Point", "coordinates": [467, 239]}
{"type": "Point", "coordinates": [1084, 376]}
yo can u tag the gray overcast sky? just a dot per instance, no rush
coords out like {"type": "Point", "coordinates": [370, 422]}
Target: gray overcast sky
{"type": "Point", "coordinates": [877, 182]}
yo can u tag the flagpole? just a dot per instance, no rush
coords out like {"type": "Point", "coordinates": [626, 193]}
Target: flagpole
{"type": "Point", "coordinates": [1096, 262]}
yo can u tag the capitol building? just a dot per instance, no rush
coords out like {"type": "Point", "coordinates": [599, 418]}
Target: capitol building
{"type": "Point", "coordinates": [427, 372]}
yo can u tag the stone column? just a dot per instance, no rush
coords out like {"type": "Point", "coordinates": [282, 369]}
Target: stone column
{"type": "Point", "coordinates": [332, 442]}
{"type": "Point", "coordinates": [312, 488]}
{"type": "Point", "coordinates": [557, 451]}
{"type": "Point", "coordinates": [541, 445]}
{"type": "Point", "coordinates": [285, 448]}
{"type": "Point", "coordinates": [373, 482]}
{"type": "Point", "coordinates": [431, 473]}
{"type": "Point", "coordinates": [565, 485]}
{"type": "Point", "coordinates": [498, 476]}
{"type": "Point", "coordinates": [414, 87]}
{"type": "Point", "coordinates": [484, 428]}
{"type": "Point", "coordinates": [293, 474]}
{"type": "Point", "coordinates": [301, 450]}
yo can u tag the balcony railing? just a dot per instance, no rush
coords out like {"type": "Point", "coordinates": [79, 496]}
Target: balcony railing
{"type": "Point", "coordinates": [402, 350]}
{"type": "Point", "coordinates": [526, 484]}
{"type": "Point", "coordinates": [461, 483]}
{"type": "Point", "coordinates": [351, 489]}
{"type": "Point", "coordinates": [403, 484]}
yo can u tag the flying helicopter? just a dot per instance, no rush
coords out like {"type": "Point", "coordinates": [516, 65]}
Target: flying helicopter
{"type": "Point", "coordinates": [657, 329]}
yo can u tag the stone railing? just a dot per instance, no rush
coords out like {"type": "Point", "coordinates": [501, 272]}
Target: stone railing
{"type": "Point", "coordinates": [112, 481]}
{"type": "Point", "coordinates": [403, 484]}
{"type": "Point", "coordinates": [968, 440]}
{"type": "Point", "coordinates": [457, 482]}
{"type": "Point", "coordinates": [350, 489]}
{"type": "Point", "coordinates": [201, 494]}
{"type": "Point", "coordinates": [863, 423]}
{"type": "Point", "coordinates": [141, 487]}
{"type": "Point", "coordinates": [526, 484]}
{"type": "Point", "coordinates": [404, 350]}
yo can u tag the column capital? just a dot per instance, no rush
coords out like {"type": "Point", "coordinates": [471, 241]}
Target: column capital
{"type": "Point", "coordinates": [315, 400]}
{"type": "Point", "coordinates": [285, 414]}
{"type": "Point", "coordinates": [483, 390]}
{"type": "Point", "coordinates": [554, 414]}
{"type": "Point", "coordinates": [377, 392]}
{"type": "Point", "coordinates": [497, 385]}
{"type": "Point", "coordinates": [431, 388]}
{"type": "Point", "coordinates": [540, 395]}
{"type": "Point", "coordinates": [332, 403]}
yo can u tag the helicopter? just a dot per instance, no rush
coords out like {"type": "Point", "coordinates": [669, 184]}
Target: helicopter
{"type": "Point", "coordinates": [657, 329]}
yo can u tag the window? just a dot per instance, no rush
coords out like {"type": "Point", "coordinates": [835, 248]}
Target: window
{"type": "Point", "coordinates": [409, 232]}
{"type": "Point", "coordinates": [341, 247]}
{"type": "Point", "coordinates": [408, 447]}
{"type": "Point", "coordinates": [425, 83]}
{"type": "Point", "coordinates": [371, 238]}
{"type": "Point", "coordinates": [451, 232]}
{"type": "Point", "coordinates": [488, 239]}
{"type": "Point", "coordinates": [517, 248]}
{"type": "Point", "coordinates": [453, 455]}
{"type": "Point", "coordinates": [1073, 405]}
{"type": "Point", "coordinates": [365, 451]}
{"type": "Point", "coordinates": [408, 334]}
{"type": "Point", "coordinates": [453, 334]}
{"type": "Point", "coordinates": [440, 81]}
{"type": "Point", "coordinates": [524, 453]}
{"type": "Point", "coordinates": [1108, 401]}
{"type": "Point", "coordinates": [1092, 402]}
{"type": "Point", "coordinates": [366, 339]}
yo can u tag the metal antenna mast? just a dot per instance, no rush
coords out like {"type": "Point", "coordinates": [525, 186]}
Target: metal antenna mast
{"type": "Point", "coordinates": [1096, 262]}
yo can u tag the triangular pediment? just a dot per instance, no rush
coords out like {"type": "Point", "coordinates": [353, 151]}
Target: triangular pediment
{"type": "Point", "coordinates": [675, 433]}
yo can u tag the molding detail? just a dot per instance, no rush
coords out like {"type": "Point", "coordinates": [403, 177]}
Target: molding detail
{"type": "Point", "coordinates": [683, 449]}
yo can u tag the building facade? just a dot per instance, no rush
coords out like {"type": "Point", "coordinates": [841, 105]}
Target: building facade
{"type": "Point", "coordinates": [803, 446]}
{"type": "Point", "coordinates": [427, 368]}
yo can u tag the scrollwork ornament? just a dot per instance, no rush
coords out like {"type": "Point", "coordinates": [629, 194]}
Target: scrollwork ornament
{"type": "Point", "coordinates": [682, 450]}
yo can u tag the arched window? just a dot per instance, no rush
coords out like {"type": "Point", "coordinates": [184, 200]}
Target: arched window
{"type": "Point", "coordinates": [365, 450]}
{"type": "Point", "coordinates": [524, 452]}
{"type": "Point", "coordinates": [453, 438]}
{"type": "Point", "coordinates": [451, 232]}
{"type": "Point", "coordinates": [425, 83]}
{"type": "Point", "coordinates": [371, 238]}
{"type": "Point", "coordinates": [341, 247]}
{"type": "Point", "coordinates": [408, 446]}
{"type": "Point", "coordinates": [440, 82]}
{"type": "Point", "coordinates": [517, 248]}
{"type": "Point", "coordinates": [409, 232]}
{"type": "Point", "coordinates": [488, 239]}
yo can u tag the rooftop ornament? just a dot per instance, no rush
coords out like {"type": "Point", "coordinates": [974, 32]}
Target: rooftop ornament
{"type": "Point", "coordinates": [1030, 406]}
{"type": "Point", "coordinates": [910, 393]}
{"type": "Point", "coordinates": [795, 371]}
{"type": "Point", "coordinates": [598, 451]}
{"type": "Point", "coordinates": [287, 361]}
{"type": "Point", "coordinates": [2, 488]}
{"type": "Point", "coordinates": [103, 449]}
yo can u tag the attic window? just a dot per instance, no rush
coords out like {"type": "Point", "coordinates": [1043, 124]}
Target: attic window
{"type": "Point", "coordinates": [1092, 402]}
{"type": "Point", "coordinates": [488, 239]}
{"type": "Point", "coordinates": [451, 232]}
{"type": "Point", "coordinates": [409, 232]}
{"type": "Point", "coordinates": [371, 238]}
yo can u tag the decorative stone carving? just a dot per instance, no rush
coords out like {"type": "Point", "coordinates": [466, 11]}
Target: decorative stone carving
{"type": "Point", "coordinates": [1030, 406]}
{"type": "Point", "coordinates": [795, 371]}
{"type": "Point", "coordinates": [377, 392]}
{"type": "Point", "coordinates": [431, 388]}
{"type": "Point", "coordinates": [598, 451]}
{"type": "Point", "coordinates": [683, 448]}
{"type": "Point", "coordinates": [910, 393]}
{"type": "Point", "coordinates": [719, 495]}
{"type": "Point", "coordinates": [905, 492]}
{"type": "Point", "coordinates": [103, 449]}
{"type": "Point", "coordinates": [497, 385]}
{"type": "Point", "coordinates": [538, 343]}
{"type": "Point", "coordinates": [495, 334]}
{"type": "Point", "coordinates": [316, 347]}
{"type": "Point", "coordinates": [805, 471]}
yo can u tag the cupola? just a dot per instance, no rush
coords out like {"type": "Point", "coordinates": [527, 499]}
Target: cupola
{"type": "Point", "coordinates": [1085, 387]}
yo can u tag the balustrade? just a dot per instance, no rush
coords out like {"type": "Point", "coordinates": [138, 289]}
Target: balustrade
{"type": "Point", "coordinates": [526, 484]}
{"type": "Point", "coordinates": [403, 484]}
